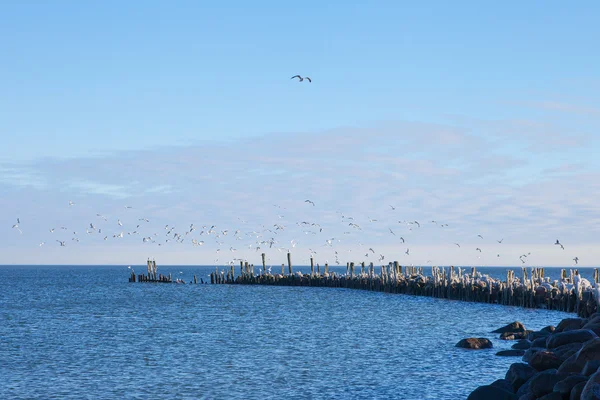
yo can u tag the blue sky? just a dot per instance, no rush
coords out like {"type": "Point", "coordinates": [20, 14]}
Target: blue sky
{"type": "Point", "coordinates": [483, 115]}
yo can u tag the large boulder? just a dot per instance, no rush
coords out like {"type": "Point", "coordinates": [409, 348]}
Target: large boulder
{"type": "Point", "coordinates": [567, 350]}
{"type": "Point", "coordinates": [589, 352]}
{"type": "Point", "coordinates": [475, 343]}
{"type": "Point", "coordinates": [503, 384]}
{"type": "Point", "coordinates": [590, 367]}
{"type": "Point", "coordinates": [490, 392]}
{"type": "Point", "coordinates": [569, 324]}
{"type": "Point", "coordinates": [543, 383]}
{"type": "Point", "coordinates": [573, 336]}
{"type": "Point", "coordinates": [536, 335]}
{"type": "Point", "coordinates": [551, 396]}
{"type": "Point", "coordinates": [512, 327]}
{"type": "Point", "coordinates": [545, 360]}
{"type": "Point", "coordinates": [549, 329]}
{"type": "Point", "coordinates": [576, 391]}
{"type": "Point", "coordinates": [565, 386]}
{"type": "Point", "coordinates": [510, 353]}
{"type": "Point", "coordinates": [529, 353]}
{"type": "Point", "coordinates": [591, 390]}
{"type": "Point", "coordinates": [522, 344]}
{"type": "Point", "coordinates": [518, 374]}
{"type": "Point", "coordinates": [540, 342]}
{"type": "Point", "coordinates": [514, 335]}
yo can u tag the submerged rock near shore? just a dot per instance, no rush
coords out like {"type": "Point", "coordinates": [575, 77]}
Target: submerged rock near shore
{"type": "Point", "coordinates": [475, 343]}
{"type": "Point", "coordinates": [559, 363]}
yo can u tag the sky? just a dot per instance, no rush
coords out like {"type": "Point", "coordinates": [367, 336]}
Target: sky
{"type": "Point", "coordinates": [482, 118]}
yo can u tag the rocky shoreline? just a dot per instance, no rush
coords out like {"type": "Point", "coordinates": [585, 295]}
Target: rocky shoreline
{"type": "Point", "coordinates": [558, 363]}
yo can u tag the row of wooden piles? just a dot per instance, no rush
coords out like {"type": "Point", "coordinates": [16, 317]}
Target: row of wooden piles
{"type": "Point", "coordinates": [531, 290]}
{"type": "Point", "coordinates": [151, 275]}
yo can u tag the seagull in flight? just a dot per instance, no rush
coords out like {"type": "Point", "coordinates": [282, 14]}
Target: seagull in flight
{"type": "Point", "coordinates": [300, 79]}
{"type": "Point", "coordinates": [576, 259]}
{"type": "Point", "coordinates": [309, 201]}
{"type": "Point", "coordinates": [392, 232]}
{"type": "Point", "coordinates": [119, 222]}
{"type": "Point", "coordinates": [42, 243]}
{"type": "Point", "coordinates": [62, 243]}
{"type": "Point", "coordinates": [16, 226]}
{"type": "Point", "coordinates": [478, 249]}
{"type": "Point", "coordinates": [406, 252]}
{"type": "Point", "coordinates": [401, 238]}
{"type": "Point", "coordinates": [480, 236]}
{"type": "Point", "coordinates": [71, 203]}
{"type": "Point", "coordinates": [457, 244]}
{"type": "Point", "coordinates": [559, 244]}
{"type": "Point", "coordinates": [500, 241]}
{"type": "Point", "coordinates": [393, 208]}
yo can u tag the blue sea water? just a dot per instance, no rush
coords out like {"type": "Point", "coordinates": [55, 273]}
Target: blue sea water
{"type": "Point", "coordinates": [83, 332]}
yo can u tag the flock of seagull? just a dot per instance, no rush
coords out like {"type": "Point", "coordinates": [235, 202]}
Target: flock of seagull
{"type": "Point", "coordinates": [266, 237]}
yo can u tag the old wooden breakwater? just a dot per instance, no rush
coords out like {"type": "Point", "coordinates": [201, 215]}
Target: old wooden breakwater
{"type": "Point", "coordinates": [151, 275]}
{"type": "Point", "coordinates": [571, 293]}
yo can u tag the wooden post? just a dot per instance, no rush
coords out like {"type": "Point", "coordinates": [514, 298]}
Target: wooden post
{"type": "Point", "coordinates": [264, 262]}
{"type": "Point", "coordinates": [318, 269]}
{"type": "Point", "coordinates": [289, 257]}
{"type": "Point", "coordinates": [312, 267]}
{"type": "Point", "coordinates": [326, 268]}
{"type": "Point", "coordinates": [352, 270]}
{"type": "Point", "coordinates": [282, 269]}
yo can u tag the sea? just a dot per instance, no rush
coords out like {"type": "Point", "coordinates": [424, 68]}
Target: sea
{"type": "Point", "coordinates": [85, 332]}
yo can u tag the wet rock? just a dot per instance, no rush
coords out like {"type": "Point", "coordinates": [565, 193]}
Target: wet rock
{"type": "Point", "coordinates": [589, 352]}
{"type": "Point", "coordinates": [525, 389]}
{"type": "Point", "coordinates": [590, 367]}
{"type": "Point", "coordinates": [591, 390]}
{"type": "Point", "coordinates": [540, 342]}
{"type": "Point", "coordinates": [545, 360]}
{"type": "Point", "coordinates": [503, 384]}
{"type": "Point", "coordinates": [527, 396]}
{"type": "Point", "coordinates": [518, 374]}
{"type": "Point", "coordinates": [544, 382]}
{"type": "Point", "coordinates": [510, 353]}
{"type": "Point", "coordinates": [490, 392]}
{"type": "Point", "coordinates": [569, 324]}
{"type": "Point", "coordinates": [565, 386]}
{"type": "Point", "coordinates": [512, 327]}
{"type": "Point", "coordinates": [522, 344]}
{"type": "Point", "coordinates": [576, 391]}
{"type": "Point", "coordinates": [572, 336]}
{"type": "Point", "coordinates": [475, 343]}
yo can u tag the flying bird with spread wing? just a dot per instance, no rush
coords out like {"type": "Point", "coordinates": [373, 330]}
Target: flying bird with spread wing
{"type": "Point", "coordinates": [300, 79]}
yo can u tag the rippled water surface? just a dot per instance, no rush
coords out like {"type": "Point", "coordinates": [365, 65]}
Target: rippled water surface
{"type": "Point", "coordinates": [85, 332]}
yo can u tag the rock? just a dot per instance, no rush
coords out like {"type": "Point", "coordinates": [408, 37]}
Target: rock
{"type": "Point", "coordinates": [572, 336]}
{"type": "Point", "coordinates": [518, 374]}
{"type": "Point", "coordinates": [527, 396]}
{"type": "Point", "coordinates": [565, 386]}
{"type": "Point", "coordinates": [565, 351]}
{"type": "Point", "coordinates": [503, 384]}
{"type": "Point", "coordinates": [475, 343]}
{"type": "Point", "coordinates": [544, 382]}
{"type": "Point", "coordinates": [589, 352]}
{"type": "Point", "coordinates": [576, 391]}
{"type": "Point", "coordinates": [530, 353]}
{"type": "Point", "coordinates": [522, 344]}
{"type": "Point", "coordinates": [595, 327]}
{"type": "Point", "coordinates": [569, 324]}
{"type": "Point", "coordinates": [536, 335]}
{"type": "Point", "coordinates": [540, 342]}
{"type": "Point", "coordinates": [591, 390]}
{"type": "Point", "coordinates": [544, 360]}
{"type": "Point", "coordinates": [551, 396]}
{"type": "Point", "coordinates": [514, 335]}
{"type": "Point", "coordinates": [510, 353]}
{"type": "Point", "coordinates": [525, 389]}
{"type": "Point", "coordinates": [590, 367]}
{"type": "Point", "coordinates": [490, 392]}
{"type": "Point", "coordinates": [549, 329]}
{"type": "Point", "coordinates": [512, 327]}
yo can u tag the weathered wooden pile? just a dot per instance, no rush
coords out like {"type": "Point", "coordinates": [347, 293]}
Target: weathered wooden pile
{"type": "Point", "coordinates": [571, 293]}
{"type": "Point", "coordinates": [151, 275]}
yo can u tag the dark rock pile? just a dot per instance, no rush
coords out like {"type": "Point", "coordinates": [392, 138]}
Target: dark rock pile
{"type": "Point", "coordinates": [559, 363]}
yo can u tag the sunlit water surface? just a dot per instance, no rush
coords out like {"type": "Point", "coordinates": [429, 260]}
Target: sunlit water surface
{"type": "Point", "coordinates": [85, 332]}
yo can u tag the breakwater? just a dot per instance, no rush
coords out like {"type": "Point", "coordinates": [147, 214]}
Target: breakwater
{"type": "Point", "coordinates": [570, 293]}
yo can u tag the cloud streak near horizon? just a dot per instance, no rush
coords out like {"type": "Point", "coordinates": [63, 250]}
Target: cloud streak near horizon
{"type": "Point", "coordinates": [522, 180]}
